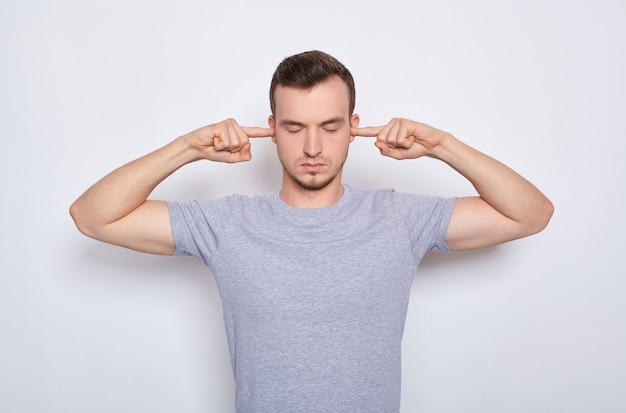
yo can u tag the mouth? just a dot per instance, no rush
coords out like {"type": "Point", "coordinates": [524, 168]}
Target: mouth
{"type": "Point", "coordinates": [312, 167]}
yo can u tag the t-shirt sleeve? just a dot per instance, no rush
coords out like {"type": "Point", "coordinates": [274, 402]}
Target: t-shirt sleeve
{"type": "Point", "coordinates": [440, 220]}
{"type": "Point", "coordinates": [193, 225]}
{"type": "Point", "coordinates": [428, 220]}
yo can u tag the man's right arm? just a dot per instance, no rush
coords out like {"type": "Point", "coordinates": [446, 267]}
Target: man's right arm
{"type": "Point", "coordinates": [116, 209]}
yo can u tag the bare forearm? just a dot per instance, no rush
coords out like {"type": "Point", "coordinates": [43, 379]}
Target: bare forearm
{"type": "Point", "coordinates": [116, 209]}
{"type": "Point", "coordinates": [126, 188]}
{"type": "Point", "coordinates": [504, 189]}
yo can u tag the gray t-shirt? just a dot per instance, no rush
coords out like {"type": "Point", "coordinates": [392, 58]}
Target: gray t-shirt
{"type": "Point", "coordinates": [314, 300]}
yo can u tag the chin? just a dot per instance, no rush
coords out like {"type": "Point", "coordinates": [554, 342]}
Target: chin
{"type": "Point", "coordinates": [314, 183]}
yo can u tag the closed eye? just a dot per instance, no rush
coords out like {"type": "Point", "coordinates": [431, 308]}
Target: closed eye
{"type": "Point", "coordinates": [330, 130]}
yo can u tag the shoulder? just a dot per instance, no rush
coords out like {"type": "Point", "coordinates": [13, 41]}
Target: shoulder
{"type": "Point", "coordinates": [361, 195]}
{"type": "Point", "coordinates": [391, 197]}
{"type": "Point", "coordinates": [220, 207]}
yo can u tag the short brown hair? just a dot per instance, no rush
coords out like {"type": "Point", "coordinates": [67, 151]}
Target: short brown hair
{"type": "Point", "coordinates": [307, 69]}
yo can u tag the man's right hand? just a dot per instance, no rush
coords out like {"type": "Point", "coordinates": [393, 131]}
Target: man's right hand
{"type": "Point", "coordinates": [225, 141]}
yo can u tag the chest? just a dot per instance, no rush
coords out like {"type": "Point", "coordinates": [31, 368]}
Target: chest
{"type": "Point", "coordinates": [347, 278]}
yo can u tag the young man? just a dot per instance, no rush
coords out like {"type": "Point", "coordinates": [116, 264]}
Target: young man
{"type": "Point", "coordinates": [314, 278]}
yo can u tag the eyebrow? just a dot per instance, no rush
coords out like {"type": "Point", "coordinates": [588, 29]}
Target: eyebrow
{"type": "Point", "coordinates": [289, 122]}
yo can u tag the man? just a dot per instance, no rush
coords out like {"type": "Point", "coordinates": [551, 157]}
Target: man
{"type": "Point", "coordinates": [314, 278]}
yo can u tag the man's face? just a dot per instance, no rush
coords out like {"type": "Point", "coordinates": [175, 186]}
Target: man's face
{"type": "Point", "coordinates": [312, 133]}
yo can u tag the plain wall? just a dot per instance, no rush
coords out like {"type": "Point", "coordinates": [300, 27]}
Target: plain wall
{"type": "Point", "coordinates": [536, 325]}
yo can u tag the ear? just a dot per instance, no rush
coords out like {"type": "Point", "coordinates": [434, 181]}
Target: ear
{"type": "Point", "coordinates": [354, 123]}
{"type": "Point", "coordinates": [271, 122]}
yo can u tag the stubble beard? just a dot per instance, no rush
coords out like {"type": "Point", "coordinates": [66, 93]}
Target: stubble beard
{"type": "Point", "coordinates": [313, 181]}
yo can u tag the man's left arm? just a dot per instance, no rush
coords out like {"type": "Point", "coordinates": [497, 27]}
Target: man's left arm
{"type": "Point", "coordinates": [507, 207]}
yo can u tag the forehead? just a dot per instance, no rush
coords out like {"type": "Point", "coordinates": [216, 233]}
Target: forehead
{"type": "Point", "coordinates": [330, 98]}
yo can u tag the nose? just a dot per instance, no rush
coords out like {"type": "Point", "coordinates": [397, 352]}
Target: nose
{"type": "Point", "coordinates": [313, 143]}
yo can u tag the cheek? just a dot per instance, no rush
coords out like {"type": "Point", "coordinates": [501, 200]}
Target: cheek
{"type": "Point", "coordinates": [285, 146]}
{"type": "Point", "coordinates": [339, 144]}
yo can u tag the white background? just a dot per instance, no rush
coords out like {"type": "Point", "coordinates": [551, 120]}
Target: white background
{"type": "Point", "coordinates": [536, 325]}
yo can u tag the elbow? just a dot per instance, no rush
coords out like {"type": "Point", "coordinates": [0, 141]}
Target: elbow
{"type": "Point", "coordinates": [75, 214]}
{"type": "Point", "coordinates": [543, 216]}
{"type": "Point", "coordinates": [548, 211]}
{"type": "Point", "coordinates": [79, 219]}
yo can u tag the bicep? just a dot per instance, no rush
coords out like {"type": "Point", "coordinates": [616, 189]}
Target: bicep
{"type": "Point", "coordinates": [476, 224]}
{"type": "Point", "coordinates": [146, 229]}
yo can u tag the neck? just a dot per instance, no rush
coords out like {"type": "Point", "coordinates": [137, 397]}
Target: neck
{"type": "Point", "coordinates": [298, 197]}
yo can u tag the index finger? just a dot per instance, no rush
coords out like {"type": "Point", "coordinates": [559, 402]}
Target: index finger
{"type": "Point", "coordinates": [256, 132]}
{"type": "Point", "coordinates": [368, 131]}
